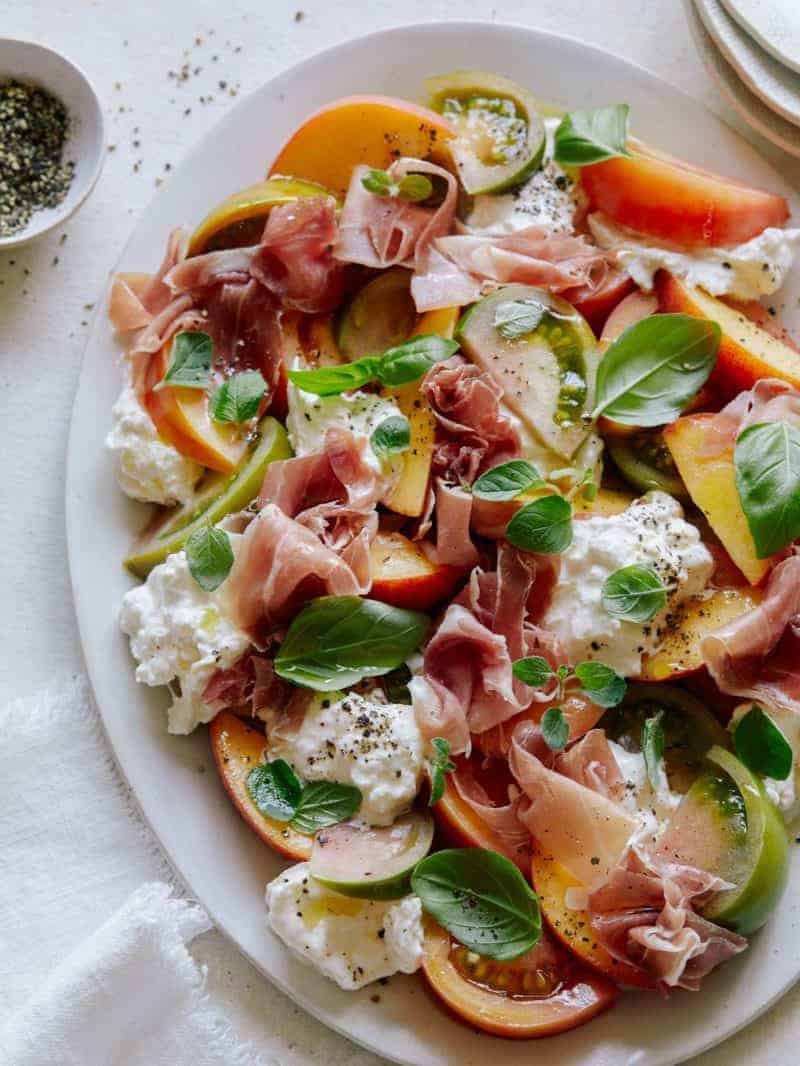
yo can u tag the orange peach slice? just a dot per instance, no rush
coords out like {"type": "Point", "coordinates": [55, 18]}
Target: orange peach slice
{"type": "Point", "coordinates": [237, 749]}
{"type": "Point", "coordinates": [679, 653]}
{"type": "Point", "coordinates": [403, 576]}
{"type": "Point", "coordinates": [747, 352]}
{"type": "Point", "coordinates": [371, 130]}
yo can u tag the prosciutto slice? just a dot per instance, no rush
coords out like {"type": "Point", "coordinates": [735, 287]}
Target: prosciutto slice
{"type": "Point", "coordinates": [453, 544]}
{"type": "Point", "coordinates": [580, 827]}
{"type": "Point", "coordinates": [473, 432]}
{"type": "Point", "coordinates": [251, 685]}
{"type": "Point", "coordinates": [644, 915]}
{"type": "Point", "coordinates": [137, 298]}
{"type": "Point", "coordinates": [502, 820]}
{"type": "Point", "coordinates": [467, 685]}
{"type": "Point", "coordinates": [770, 400]}
{"type": "Point", "coordinates": [757, 655]}
{"type": "Point", "coordinates": [383, 231]}
{"type": "Point", "coordinates": [591, 762]}
{"type": "Point", "coordinates": [461, 267]}
{"type": "Point", "coordinates": [281, 564]}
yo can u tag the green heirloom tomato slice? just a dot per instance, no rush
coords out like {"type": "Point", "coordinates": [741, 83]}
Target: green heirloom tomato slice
{"type": "Point", "coordinates": [646, 462]}
{"type": "Point", "coordinates": [380, 316]}
{"type": "Point", "coordinates": [221, 495]}
{"type": "Point", "coordinates": [543, 354]}
{"type": "Point", "coordinates": [372, 862]}
{"type": "Point", "coordinates": [690, 730]}
{"type": "Point", "coordinates": [500, 136]}
{"type": "Point", "coordinates": [727, 825]}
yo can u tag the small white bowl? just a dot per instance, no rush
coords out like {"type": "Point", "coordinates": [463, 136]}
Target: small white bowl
{"type": "Point", "coordinates": [29, 62]}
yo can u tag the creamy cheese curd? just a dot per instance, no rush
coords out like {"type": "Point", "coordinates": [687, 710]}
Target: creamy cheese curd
{"type": "Point", "coordinates": [549, 198]}
{"type": "Point", "coordinates": [651, 807]}
{"type": "Point", "coordinates": [360, 412]}
{"type": "Point", "coordinates": [651, 532]}
{"type": "Point", "coordinates": [178, 632]}
{"type": "Point", "coordinates": [351, 941]}
{"type": "Point", "coordinates": [146, 467]}
{"type": "Point", "coordinates": [358, 741]}
{"type": "Point", "coordinates": [747, 271]}
{"type": "Point", "coordinates": [784, 794]}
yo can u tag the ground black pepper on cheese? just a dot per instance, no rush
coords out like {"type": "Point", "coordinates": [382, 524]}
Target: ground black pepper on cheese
{"type": "Point", "coordinates": [34, 127]}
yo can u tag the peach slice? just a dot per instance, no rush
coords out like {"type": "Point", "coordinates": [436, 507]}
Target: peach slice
{"type": "Point", "coordinates": [403, 575]}
{"type": "Point", "coordinates": [747, 352]}
{"type": "Point", "coordinates": [409, 494]}
{"type": "Point", "coordinates": [571, 927]}
{"type": "Point", "coordinates": [237, 748]}
{"type": "Point", "coordinates": [679, 653]}
{"type": "Point", "coordinates": [371, 130]}
{"type": "Point", "coordinates": [657, 194]}
{"type": "Point", "coordinates": [710, 482]}
{"type": "Point", "coordinates": [181, 417]}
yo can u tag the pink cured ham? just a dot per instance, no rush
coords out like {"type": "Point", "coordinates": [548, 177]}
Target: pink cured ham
{"type": "Point", "coordinates": [249, 685]}
{"type": "Point", "coordinates": [243, 321]}
{"type": "Point", "coordinates": [644, 915]}
{"type": "Point", "coordinates": [757, 655]}
{"type": "Point", "coordinates": [591, 762]}
{"type": "Point", "coordinates": [293, 261]}
{"type": "Point", "coordinates": [137, 298]}
{"type": "Point", "coordinates": [473, 433]}
{"type": "Point", "coordinates": [383, 231]}
{"type": "Point", "coordinates": [503, 820]}
{"type": "Point", "coordinates": [584, 830]}
{"type": "Point", "coordinates": [453, 544]}
{"type": "Point", "coordinates": [279, 566]}
{"type": "Point", "coordinates": [467, 685]}
{"type": "Point", "coordinates": [461, 267]}
{"type": "Point", "coordinates": [770, 400]}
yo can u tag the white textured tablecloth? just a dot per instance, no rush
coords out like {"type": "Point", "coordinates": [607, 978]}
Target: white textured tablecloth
{"type": "Point", "coordinates": [154, 65]}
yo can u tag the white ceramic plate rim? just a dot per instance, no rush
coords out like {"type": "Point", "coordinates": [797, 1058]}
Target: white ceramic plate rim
{"type": "Point", "coordinates": [746, 17]}
{"type": "Point", "coordinates": [205, 840]}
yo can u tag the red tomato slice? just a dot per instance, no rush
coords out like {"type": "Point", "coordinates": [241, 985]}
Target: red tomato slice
{"type": "Point", "coordinates": [540, 994]}
{"type": "Point", "coordinates": [656, 194]}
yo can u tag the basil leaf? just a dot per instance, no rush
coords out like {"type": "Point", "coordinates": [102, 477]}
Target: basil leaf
{"type": "Point", "coordinates": [517, 318]}
{"type": "Point", "coordinates": [378, 182]}
{"type": "Point", "coordinates": [601, 684]}
{"type": "Point", "coordinates": [761, 745]}
{"type": "Point", "coordinates": [439, 765]}
{"type": "Point", "coordinates": [767, 468]}
{"type": "Point", "coordinates": [324, 803]}
{"type": "Point", "coordinates": [392, 435]}
{"type": "Point", "coordinates": [543, 526]}
{"type": "Point", "coordinates": [653, 751]}
{"type": "Point", "coordinates": [534, 670]}
{"type": "Point", "coordinates": [507, 480]}
{"type": "Point", "coordinates": [395, 685]}
{"type": "Point", "coordinates": [650, 373]}
{"type": "Point", "coordinates": [590, 136]}
{"type": "Point", "coordinates": [481, 899]}
{"type": "Point", "coordinates": [555, 729]}
{"type": "Point", "coordinates": [190, 365]}
{"type": "Point", "coordinates": [275, 789]}
{"type": "Point", "coordinates": [415, 188]}
{"type": "Point", "coordinates": [333, 380]}
{"type": "Point", "coordinates": [410, 360]}
{"type": "Point", "coordinates": [209, 555]}
{"type": "Point", "coordinates": [336, 641]}
{"type": "Point", "coordinates": [633, 594]}
{"type": "Point", "coordinates": [238, 398]}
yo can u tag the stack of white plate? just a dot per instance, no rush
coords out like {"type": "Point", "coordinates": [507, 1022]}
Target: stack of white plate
{"type": "Point", "coordinates": [752, 51]}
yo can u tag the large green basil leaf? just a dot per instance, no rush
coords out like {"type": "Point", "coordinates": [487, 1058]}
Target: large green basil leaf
{"type": "Point", "coordinates": [767, 467]}
{"type": "Point", "coordinates": [336, 641]}
{"type": "Point", "coordinates": [650, 373]}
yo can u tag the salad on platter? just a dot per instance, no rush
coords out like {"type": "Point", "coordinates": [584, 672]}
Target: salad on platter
{"type": "Point", "coordinates": [475, 457]}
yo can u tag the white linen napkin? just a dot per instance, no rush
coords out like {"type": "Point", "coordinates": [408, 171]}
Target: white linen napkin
{"type": "Point", "coordinates": [75, 989]}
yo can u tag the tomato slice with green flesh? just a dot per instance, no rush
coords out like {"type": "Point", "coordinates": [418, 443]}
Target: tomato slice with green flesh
{"type": "Point", "coordinates": [237, 749]}
{"type": "Point", "coordinates": [547, 375]}
{"type": "Point", "coordinates": [239, 221]}
{"type": "Point", "coordinates": [500, 136]}
{"type": "Point", "coordinates": [379, 316]}
{"type": "Point", "coordinates": [372, 862]}
{"type": "Point", "coordinates": [657, 194]}
{"type": "Point", "coordinates": [690, 730]}
{"type": "Point", "coordinates": [646, 462]}
{"type": "Point", "coordinates": [727, 825]}
{"type": "Point", "coordinates": [542, 993]}
{"type": "Point", "coordinates": [219, 495]}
